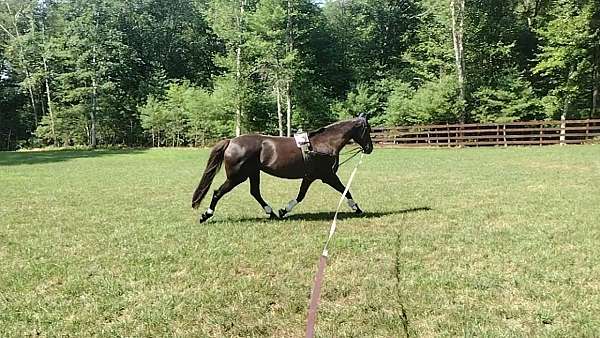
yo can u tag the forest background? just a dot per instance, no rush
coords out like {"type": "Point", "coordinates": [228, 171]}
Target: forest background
{"type": "Point", "coordinates": [188, 72]}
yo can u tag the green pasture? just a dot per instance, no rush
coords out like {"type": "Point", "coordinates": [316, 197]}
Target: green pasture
{"type": "Point", "coordinates": [455, 242]}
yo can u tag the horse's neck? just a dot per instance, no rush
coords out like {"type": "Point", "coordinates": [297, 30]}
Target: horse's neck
{"type": "Point", "coordinates": [332, 140]}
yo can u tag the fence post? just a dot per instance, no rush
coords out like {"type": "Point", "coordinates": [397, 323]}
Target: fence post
{"type": "Point", "coordinates": [504, 134]}
{"type": "Point", "coordinates": [497, 133]}
{"type": "Point", "coordinates": [563, 125]}
{"type": "Point", "coordinates": [587, 129]}
{"type": "Point", "coordinates": [448, 130]}
{"type": "Point", "coordinates": [541, 134]}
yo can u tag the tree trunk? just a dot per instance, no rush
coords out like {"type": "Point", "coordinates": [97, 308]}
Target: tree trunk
{"type": "Point", "coordinates": [531, 9]}
{"type": "Point", "coordinates": [28, 79]}
{"type": "Point", "coordinates": [567, 94]}
{"type": "Point", "coordinates": [289, 79]}
{"type": "Point", "coordinates": [279, 113]}
{"type": "Point", "coordinates": [93, 124]}
{"type": "Point", "coordinates": [238, 73]}
{"type": "Point", "coordinates": [595, 84]}
{"type": "Point", "coordinates": [48, 98]}
{"type": "Point", "coordinates": [131, 140]}
{"type": "Point", "coordinates": [40, 96]}
{"type": "Point", "coordinates": [238, 104]}
{"type": "Point", "coordinates": [17, 35]}
{"type": "Point", "coordinates": [528, 13]}
{"type": "Point", "coordinates": [94, 103]}
{"type": "Point", "coordinates": [594, 101]}
{"type": "Point", "coordinates": [457, 9]}
{"type": "Point", "coordinates": [93, 113]}
{"type": "Point", "coordinates": [30, 90]}
{"type": "Point", "coordinates": [289, 108]}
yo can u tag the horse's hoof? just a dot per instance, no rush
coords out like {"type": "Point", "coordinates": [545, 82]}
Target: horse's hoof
{"type": "Point", "coordinates": [204, 217]}
{"type": "Point", "coordinates": [282, 213]}
{"type": "Point", "coordinates": [358, 211]}
{"type": "Point", "coordinates": [273, 215]}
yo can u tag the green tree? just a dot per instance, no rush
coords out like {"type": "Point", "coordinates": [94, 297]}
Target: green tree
{"type": "Point", "coordinates": [432, 54]}
{"type": "Point", "coordinates": [15, 24]}
{"type": "Point", "coordinates": [90, 54]}
{"type": "Point", "coordinates": [512, 100]}
{"type": "Point", "coordinates": [433, 102]}
{"type": "Point", "coordinates": [361, 100]}
{"type": "Point", "coordinates": [229, 20]}
{"type": "Point", "coordinates": [268, 42]}
{"type": "Point", "coordinates": [154, 118]}
{"type": "Point", "coordinates": [567, 58]}
{"type": "Point", "coordinates": [374, 35]}
{"type": "Point", "coordinates": [210, 114]}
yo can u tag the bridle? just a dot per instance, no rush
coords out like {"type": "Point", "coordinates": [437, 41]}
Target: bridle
{"type": "Point", "coordinates": [352, 152]}
{"type": "Point", "coordinates": [357, 150]}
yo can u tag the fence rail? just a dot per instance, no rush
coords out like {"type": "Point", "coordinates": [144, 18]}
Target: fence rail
{"type": "Point", "coordinates": [489, 134]}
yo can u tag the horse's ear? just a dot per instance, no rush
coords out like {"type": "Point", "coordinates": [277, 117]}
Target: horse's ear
{"type": "Point", "coordinates": [362, 115]}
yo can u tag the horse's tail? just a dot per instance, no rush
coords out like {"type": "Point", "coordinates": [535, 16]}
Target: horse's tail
{"type": "Point", "coordinates": [212, 168]}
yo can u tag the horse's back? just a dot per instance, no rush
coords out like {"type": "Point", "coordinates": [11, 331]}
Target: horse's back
{"type": "Point", "coordinates": [275, 155]}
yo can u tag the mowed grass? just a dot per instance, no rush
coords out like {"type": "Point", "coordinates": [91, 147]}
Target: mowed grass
{"type": "Point", "coordinates": [464, 242]}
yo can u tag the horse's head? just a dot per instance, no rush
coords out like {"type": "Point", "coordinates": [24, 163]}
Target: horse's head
{"type": "Point", "coordinates": [361, 134]}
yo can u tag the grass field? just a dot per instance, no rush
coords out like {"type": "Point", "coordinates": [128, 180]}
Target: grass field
{"type": "Point", "coordinates": [469, 242]}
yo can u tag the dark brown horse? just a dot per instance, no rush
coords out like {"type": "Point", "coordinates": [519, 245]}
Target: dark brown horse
{"type": "Point", "coordinates": [247, 155]}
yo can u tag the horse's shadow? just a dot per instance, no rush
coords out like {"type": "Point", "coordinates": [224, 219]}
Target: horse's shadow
{"type": "Point", "coordinates": [328, 215]}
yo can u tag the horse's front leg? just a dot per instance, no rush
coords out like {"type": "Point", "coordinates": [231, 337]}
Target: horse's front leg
{"type": "Point", "coordinates": [306, 182]}
{"type": "Point", "coordinates": [334, 182]}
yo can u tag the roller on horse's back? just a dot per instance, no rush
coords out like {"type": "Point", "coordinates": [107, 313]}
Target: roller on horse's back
{"type": "Point", "coordinates": [310, 156]}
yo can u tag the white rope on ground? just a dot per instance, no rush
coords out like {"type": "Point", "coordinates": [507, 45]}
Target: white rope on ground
{"type": "Point", "coordinates": [316, 291]}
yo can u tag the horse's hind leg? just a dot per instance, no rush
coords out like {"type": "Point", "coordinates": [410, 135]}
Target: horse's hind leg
{"type": "Point", "coordinates": [306, 182]}
{"type": "Point", "coordinates": [226, 187]}
{"type": "Point", "coordinates": [335, 183]}
{"type": "Point", "coordinates": [255, 192]}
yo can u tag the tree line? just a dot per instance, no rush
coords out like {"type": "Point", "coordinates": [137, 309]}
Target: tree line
{"type": "Point", "coordinates": [188, 72]}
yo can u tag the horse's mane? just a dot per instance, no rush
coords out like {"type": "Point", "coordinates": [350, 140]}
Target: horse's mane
{"type": "Point", "coordinates": [327, 127]}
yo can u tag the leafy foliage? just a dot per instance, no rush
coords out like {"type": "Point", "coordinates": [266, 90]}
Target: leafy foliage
{"type": "Point", "coordinates": [189, 114]}
{"type": "Point", "coordinates": [188, 72]}
{"type": "Point", "coordinates": [433, 102]}
{"type": "Point", "coordinates": [514, 101]}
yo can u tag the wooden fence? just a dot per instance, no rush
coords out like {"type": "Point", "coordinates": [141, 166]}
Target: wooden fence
{"type": "Point", "coordinates": [490, 134]}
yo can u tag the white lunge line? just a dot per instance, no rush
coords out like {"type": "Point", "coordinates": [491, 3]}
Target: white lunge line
{"type": "Point", "coordinates": [316, 291]}
{"type": "Point", "coordinates": [334, 222]}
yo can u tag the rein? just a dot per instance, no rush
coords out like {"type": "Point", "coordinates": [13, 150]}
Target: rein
{"type": "Point", "coordinates": [353, 152]}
